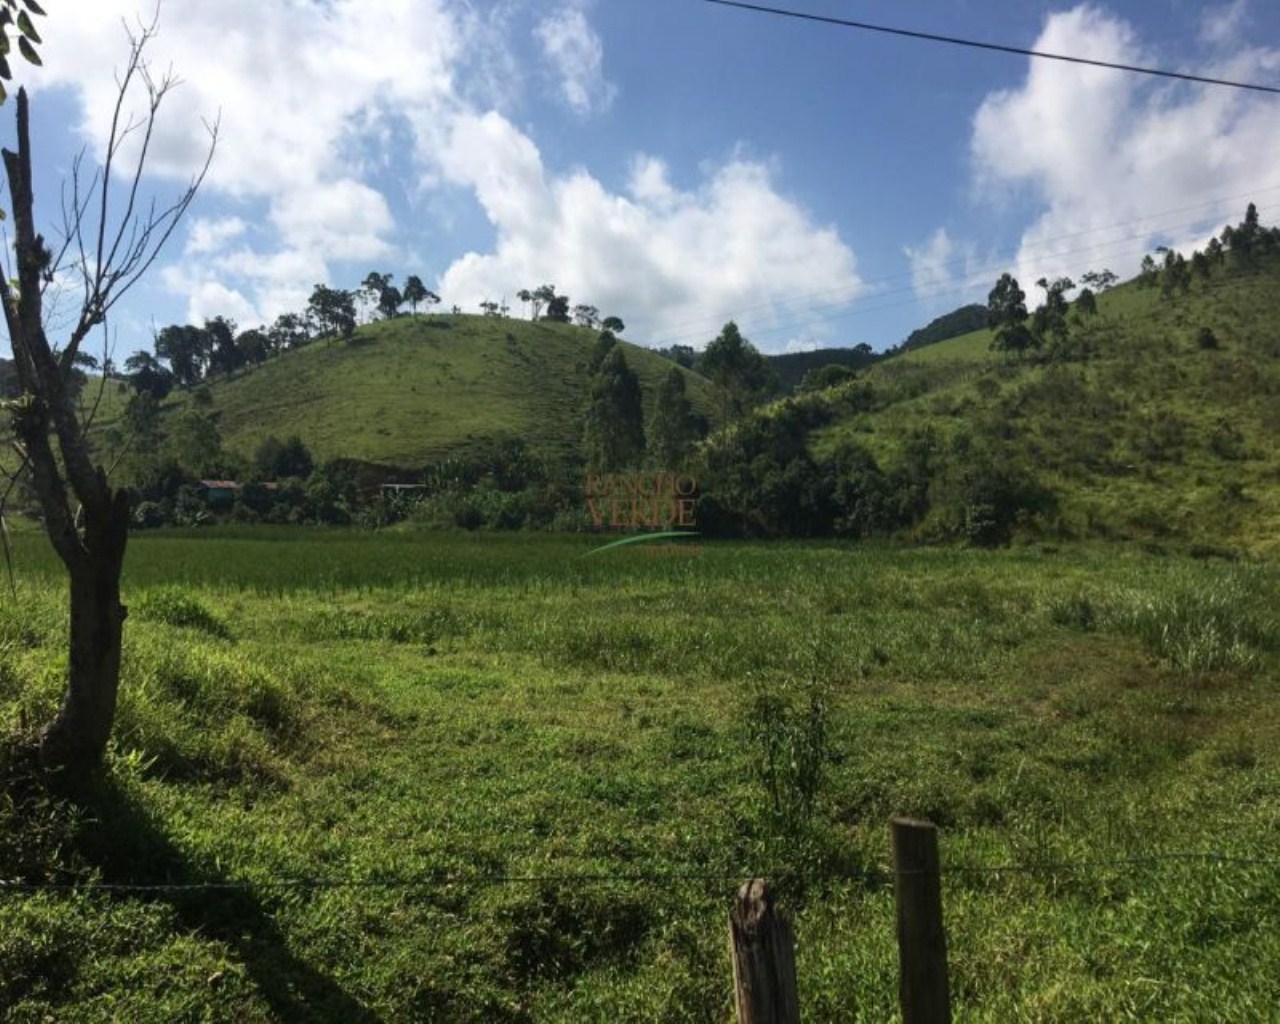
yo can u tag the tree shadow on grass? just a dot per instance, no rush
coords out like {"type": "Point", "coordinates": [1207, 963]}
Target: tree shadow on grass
{"type": "Point", "coordinates": [129, 847]}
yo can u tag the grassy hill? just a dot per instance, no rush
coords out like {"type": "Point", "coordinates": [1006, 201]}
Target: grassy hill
{"type": "Point", "coordinates": [409, 391]}
{"type": "Point", "coordinates": [1140, 432]}
{"type": "Point", "coordinates": [1136, 427]}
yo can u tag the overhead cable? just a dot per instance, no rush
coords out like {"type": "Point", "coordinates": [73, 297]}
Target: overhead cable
{"type": "Point", "coordinates": [934, 37]}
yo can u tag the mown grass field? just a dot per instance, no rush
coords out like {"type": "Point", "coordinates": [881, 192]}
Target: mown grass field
{"type": "Point", "coordinates": [537, 778]}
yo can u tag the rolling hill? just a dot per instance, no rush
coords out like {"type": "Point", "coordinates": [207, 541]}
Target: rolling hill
{"type": "Point", "coordinates": [1157, 419]}
{"type": "Point", "coordinates": [410, 391]}
{"type": "Point", "coordinates": [1142, 428]}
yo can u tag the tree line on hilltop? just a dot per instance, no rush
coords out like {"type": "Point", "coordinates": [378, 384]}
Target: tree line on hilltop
{"type": "Point", "coordinates": [1062, 333]}
{"type": "Point", "coordinates": [184, 355]}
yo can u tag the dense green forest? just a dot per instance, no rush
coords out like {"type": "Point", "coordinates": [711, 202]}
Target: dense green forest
{"type": "Point", "coordinates": [960, 321]}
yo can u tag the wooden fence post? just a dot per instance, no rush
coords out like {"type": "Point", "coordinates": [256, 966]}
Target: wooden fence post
{"type": "Point", "coordinates": [922, 943]}
{"type": "Point", "coordinates": [764, 958]}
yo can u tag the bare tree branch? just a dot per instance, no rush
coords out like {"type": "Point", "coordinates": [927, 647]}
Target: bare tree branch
{"type": "Point", "coordinates": [85, 517]}
{"type": "Point", "coordinates": [115, 136]}
{"type": "Point", "coordinates": [87, 418]}
{"type": "Point", "coordinates": [122, 253]}
{"type": "Point", "coordinates": [73, 216]}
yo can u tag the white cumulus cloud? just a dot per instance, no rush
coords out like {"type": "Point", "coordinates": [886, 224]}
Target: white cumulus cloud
{"type": "Point", "coordinates": [674, 262]}
{"type": "Point", "coordinates": [931, 265]}
{"type": "Point", "coordinates": [324, 107]}
{"type": "Point", "coordinates": [1116, 162]}
{"type": "Point", "coordinates": [944, 270]}
{"type": "Point", "coordinates": [576, 57]}
{"type": "Point", "coordinates": [209, 234]}
{"type": "Point", "coordinates": [297, 89]}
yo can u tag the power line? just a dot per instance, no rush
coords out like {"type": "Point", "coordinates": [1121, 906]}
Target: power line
{"type": "Point", "coordinates": [969, 279]}
{"type": "Point", "coordinates": [998, 47]}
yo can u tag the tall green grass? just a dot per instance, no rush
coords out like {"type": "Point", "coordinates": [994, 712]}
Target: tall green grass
{"type": "Point", "coordinates": [573, 763]}
{"type": "Point", "coordinates": [1197, 622]}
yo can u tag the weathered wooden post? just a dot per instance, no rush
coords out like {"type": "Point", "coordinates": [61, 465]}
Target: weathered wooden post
{"type": "Point", "coordinates": [764, 958]}
{"type": "Point", "coordinates": [922, 943]}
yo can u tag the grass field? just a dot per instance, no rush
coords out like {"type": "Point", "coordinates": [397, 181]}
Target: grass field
{"type": "Point", "coordinates": [538, 779]}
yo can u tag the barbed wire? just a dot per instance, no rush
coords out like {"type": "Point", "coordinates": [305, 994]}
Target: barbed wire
{"type": "Point", "coordinates": [425, 882]}
{"type": "Point", "coordinates": [1050, 867]}
{"type": "Point", "coordinates": [575, 878]}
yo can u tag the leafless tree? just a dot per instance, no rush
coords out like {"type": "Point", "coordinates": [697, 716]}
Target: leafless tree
{"type": "Point", "coordinates": [111, 235]}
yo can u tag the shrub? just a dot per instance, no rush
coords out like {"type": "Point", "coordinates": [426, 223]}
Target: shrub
{"type": "Point", "coordinates": [1226, 442]}
{"type": "Point", "coordinates": [241, 512]}
{"type": "Point", "coordinates": [791, 754]}
{"type": "Point", "coordinates": [864, 500]}
{"type": "Point", "coordinates": [189, 508]}
{"type": "Point", "coordinates": [1206, 339]}
{"type": "Point", "coordinates": [501, 509]}
{"type": "Point", "coordinates": [148, 515]}
{"type": "Point", "coordinates": [1159, 437]}
{"type": "Point", "coordinates": [980, 495]}
{"type": "Point", "coordinates": [988, 388]}
{"type": "Point", "coordinates": [827, 377]}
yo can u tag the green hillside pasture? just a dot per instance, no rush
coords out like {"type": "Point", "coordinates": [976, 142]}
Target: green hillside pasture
{"type": "Point", "coordinates": [966, 348]}
{"type": "Point", "coordinates": [1153, 437]}
{"type": "Point", "coordinates": [1127, 301]}
{"type": "Point", "coordinates": [523, 785]}
{"type": "Point", "coordinates": [409, 391]}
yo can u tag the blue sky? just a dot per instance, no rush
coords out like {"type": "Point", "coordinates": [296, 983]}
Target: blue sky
{"type": "Point", "coordinates": [672, 162]}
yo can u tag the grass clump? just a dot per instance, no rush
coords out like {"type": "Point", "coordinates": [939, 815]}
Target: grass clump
{"type": "Point", "coordinates": [1193, 632]}
{"type": "Point", "coordinates": [176, 606]}
{"type": "Point", "coordinates": [1197, 624]}
{"type": "Point", "coordinates": [201, 712]}
{"type": "Point", "coordinates": [791, 755]}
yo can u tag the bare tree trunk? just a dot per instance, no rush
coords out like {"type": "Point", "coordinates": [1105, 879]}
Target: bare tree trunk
{"type": "Point", "coordinates": [114, 252]}
{"type": "Point", "coordinates": [93, 555]}
{"type": "Point", "coordinates": [76, 739]}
